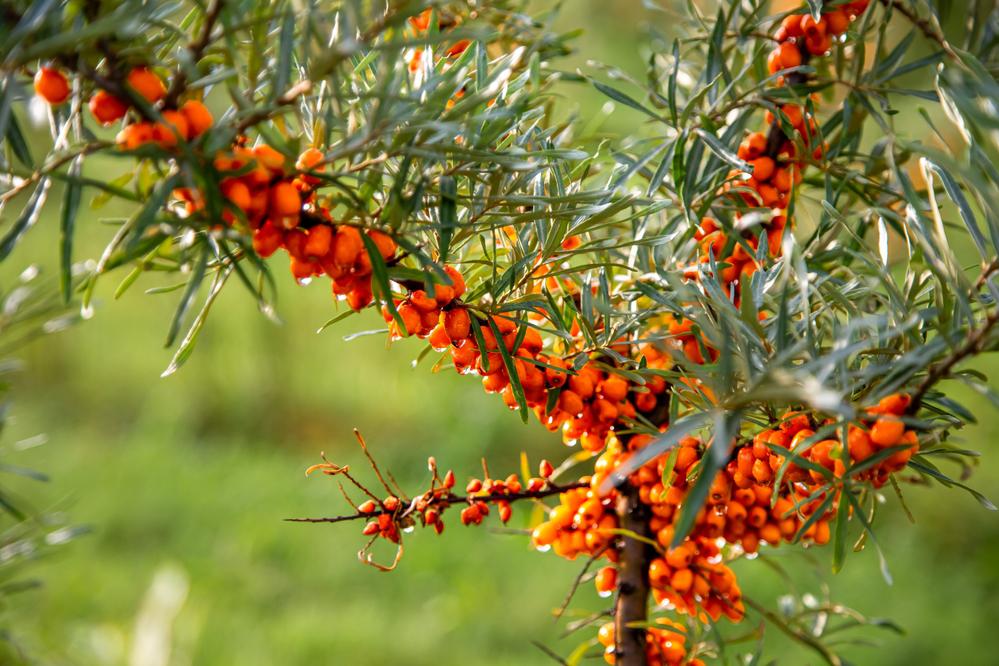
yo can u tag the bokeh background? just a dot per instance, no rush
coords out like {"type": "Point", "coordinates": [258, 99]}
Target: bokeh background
{"type": "Point", "coordinates": [184, 482]}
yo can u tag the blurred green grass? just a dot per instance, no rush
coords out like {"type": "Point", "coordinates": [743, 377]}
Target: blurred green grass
{"type": "Point", "coordinates": [196, 472]}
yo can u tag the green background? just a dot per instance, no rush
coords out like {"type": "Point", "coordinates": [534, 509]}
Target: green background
{"type": "Point", "coordinates": [186, 480]}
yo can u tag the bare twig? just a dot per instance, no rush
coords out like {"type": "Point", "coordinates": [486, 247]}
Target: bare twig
{"type": "Point", "coordinates": [973, 344]}
{"type": "Point", "coordinates": [450, 499]}
{"type": "Point", "coordinates": [925, 26]}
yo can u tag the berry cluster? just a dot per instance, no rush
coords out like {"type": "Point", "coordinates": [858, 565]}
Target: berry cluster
{"type": "Point", "coordinates": [184, 123]}
{"type": "Point", "coordinates": [665, 644]}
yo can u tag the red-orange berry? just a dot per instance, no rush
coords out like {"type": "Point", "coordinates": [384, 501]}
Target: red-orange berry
{"type": "Point", "coordinates": [51, 85]}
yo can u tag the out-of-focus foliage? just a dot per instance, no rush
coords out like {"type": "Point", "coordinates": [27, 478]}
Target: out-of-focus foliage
{"type": "Point", "coordinates": [29, 309]}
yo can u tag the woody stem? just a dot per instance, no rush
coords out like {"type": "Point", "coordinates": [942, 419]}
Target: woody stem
{"type": "Point", "coordinates": [631, 608]}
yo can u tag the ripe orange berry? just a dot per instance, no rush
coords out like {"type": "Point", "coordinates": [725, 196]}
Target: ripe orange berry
{"type": "Point", "coordinates": [545, 469]}
{"type": "Point", "coordinates": [236, 192]}
{"type": "Point", "coordinates": [819, 44]}
{"type": "Point", "coordinates": [763, 168]}
{"type": "Point", "coordinates": [285, 201]}
{"type": "Point", "coordinates": [753, 146]}
{"type": "Point", "coordinates": [439, 338]}
{"type": "Point", "coordinates": [570, 402]}
{"type": "Point", "coordinates": [682, 580]}
{"type": "Point", "coordinates": [384, 243]}
{"type": "Point", "coordinates": [837, 22]}
{"type": "Point", "coordinates": [309, 158]}
{"type": "Point", "coordinates": [410, 318]}
{"type": "Point", "coordinates": [347, 246]}
{"type": "Point", "coordinates": [302, 269]}
{"type": "Point", "coordinates": [107, 108]}
{"type": "Point", "coordinates": [614, 388]}
{"type": "Point", "coordinates": [859, 444]}
{"type": "Point", "coordinates": [51, 85]}
{"type": "Point", "coordinates": [319, 241]}
{"type": "Point", "coordinates": [887, 431]}
{"type": "Point", "coordinates": [268, 157]}
{"type": "Point", "coordinates": [789, 55]}
{"type": "Point", "coordinates": [681, 556]}
{"type": "Point", "coordinates": [457, 323]}
{"type": "Point", "coordinates": [145, 82]}
{"type": "Point", "coordinates": [135, 135]}
{"type": "Point", "coordinates": [606, 580]}
{"type": "Point", "coordinates": [176, 122]}
{"type": "Point", "coordinates": [422, 302]}
{"type": "Point", "coordinates": [457, 281]}
{"type": "Point", "coordinates": [199, 118]}
{"type": "Point", "coordinates": [267, 239]}
{"type": "Point", "coordinates": [571, 243]}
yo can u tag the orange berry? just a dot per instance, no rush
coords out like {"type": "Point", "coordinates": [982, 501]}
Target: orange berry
{"type": "Point", "coordinates": [422, 302]}
{"type": "Point", "coordinates": [606, 580]}
{"type": "Point", "coordinates": [893, 404]}
{"type": "Point", "coordinates": [268, 157]}
{"type": "Point", "coordinates": [236, 192]}
{"type": "Point", "coordinates": [571, 243]}
{"type": "Point", "coordinates": [176, 122]}
{"type": "Point", "coordinates": [457, 281]}
{"type": "Point", "coordinates": [319, 241]}
{"type": "Point", "coordinates": [763, 168]}
{"type": "Point", "coordinates": [680, 557]}
{"type": "Point", "coordinates": [614, 388]}
{"type": "Point", "coordinates": [106, 108]}
{"type": "Point", "coordinates": [309, 158]}
{"type": "Point", "coordinates": [439, 338]}
{"type": "Point", "coordinates": [384, 243]}
{"type": "Point", "coordinates": [135, 135]}
{"type": "Point", "coordinates": [285, 200]}
{"type": "Point", "coordinates": [147, 84]}
{"type": "Point", "coordinates": [51, 85]}
{"type": "Point", "coordinates": [837, 22]}
{"type": "Point", "coordinates": [457, 323]}
{"type": "Point", "coordinates": [818, 44]}
{"type": "Point", "coordinates": [545, 469]}
{"type": "Point", "coordinates": [753, 146]}
{"type": "Point", "coordinates": [682, 580]}
{"type": "Point", "coordinates": [199, 118]}
{"type": "Point", "coordinates": [302, 269]}
{"type": "Point", "coordinates": [347, 246]}
{"type": "Point", "coordinates": [570, 402]}
{"type": "Point", "coordinates": [859, 444]}
{"type": "Point", "coordinates": [887, 431]}
{"type": "Point", "coordinates": [267, 239]}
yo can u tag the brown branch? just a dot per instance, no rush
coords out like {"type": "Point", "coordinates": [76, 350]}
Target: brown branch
{"type": "Point", "coordinates": [450, 499]}
{"type": "Point", "coordinates": [632, 607]}
{"type": "Point", "coordinates": [196, 49]}
{"type": "Point", "coordinates": [973, 344]}
{"type": "Point", "coordinates": [925, 26]}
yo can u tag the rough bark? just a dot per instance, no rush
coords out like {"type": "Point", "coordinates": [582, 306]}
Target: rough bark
{"type": "Point", "coordinates": [631, 609]}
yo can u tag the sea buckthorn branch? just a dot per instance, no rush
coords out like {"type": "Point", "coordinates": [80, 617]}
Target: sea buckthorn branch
{"type": "Point", "coordinates": [433, 188]}
{"type": "Point", "coordinates": [390, 517]}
